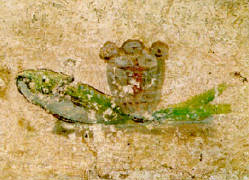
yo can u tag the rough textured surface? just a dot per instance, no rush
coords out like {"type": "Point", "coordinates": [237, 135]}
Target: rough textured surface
{"type": "Point", "coordinates": [208, 44]}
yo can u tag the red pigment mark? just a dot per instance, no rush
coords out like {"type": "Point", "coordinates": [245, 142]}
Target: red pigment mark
{"type": "Point", "coordinates": [138, 76]}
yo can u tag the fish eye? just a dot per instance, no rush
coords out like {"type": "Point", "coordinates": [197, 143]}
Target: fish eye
{"type": "Point", "coordinates": [45, 79]}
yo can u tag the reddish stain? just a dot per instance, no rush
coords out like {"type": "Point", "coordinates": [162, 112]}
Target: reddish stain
{"type": "Point", "coordinates": [138, 76]}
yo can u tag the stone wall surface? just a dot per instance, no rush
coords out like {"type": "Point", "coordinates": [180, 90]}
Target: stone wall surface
{"type": "Point", "coordinates": [208, 44]}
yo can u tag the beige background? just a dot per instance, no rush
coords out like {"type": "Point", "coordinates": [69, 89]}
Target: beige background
{"type": "Point", "coordinates": [208, 40]}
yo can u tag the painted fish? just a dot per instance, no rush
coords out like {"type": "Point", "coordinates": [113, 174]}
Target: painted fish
{"type": "Point", "coordinates": [58, 94]}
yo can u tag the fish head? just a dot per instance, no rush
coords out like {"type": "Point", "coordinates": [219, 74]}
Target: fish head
{"type": "Point", "coordinates": [42, 81]}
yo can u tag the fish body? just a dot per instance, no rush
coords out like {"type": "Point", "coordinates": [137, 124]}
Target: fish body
{"type": "Point", "coordinates": [58, 94]}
